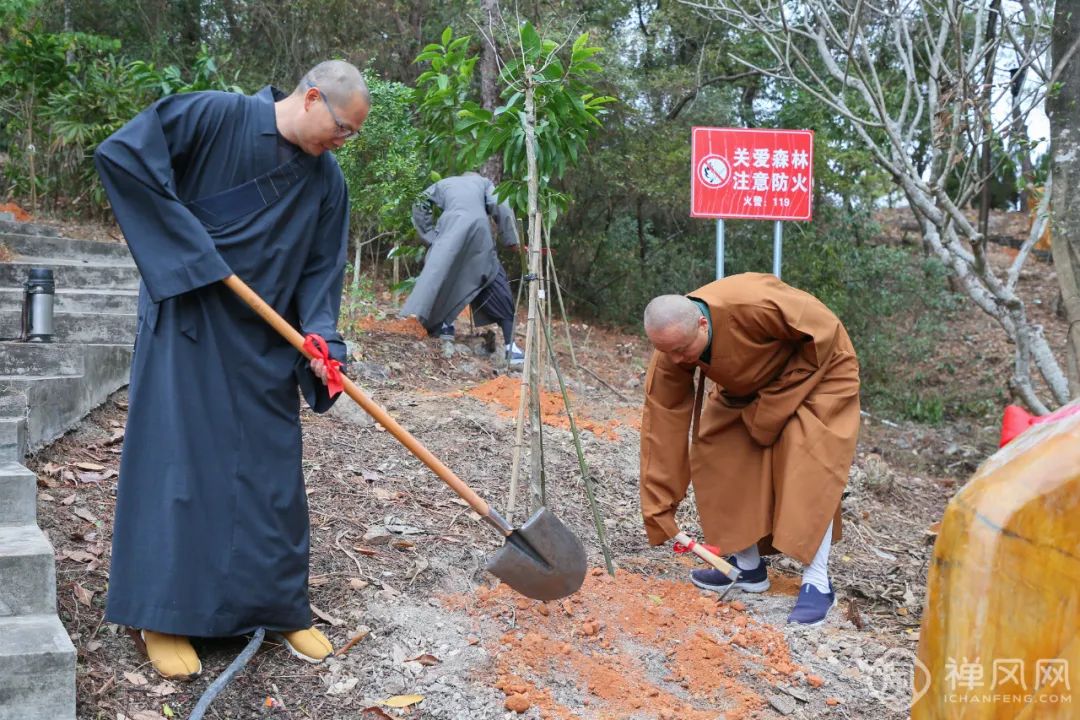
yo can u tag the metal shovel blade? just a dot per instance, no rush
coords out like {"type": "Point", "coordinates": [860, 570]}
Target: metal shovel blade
{"type": "Point", "coordinates": [542, 559]}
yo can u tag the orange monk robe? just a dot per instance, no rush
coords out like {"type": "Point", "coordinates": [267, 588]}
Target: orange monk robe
{"type": "Point", "coordinates": [771, 449]}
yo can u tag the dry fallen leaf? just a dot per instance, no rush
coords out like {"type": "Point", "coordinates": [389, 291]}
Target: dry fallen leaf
{"type": "Point", "coordinates": [85, 515]}
{"type": "Point", "coordinates": [83, 595]}
{"type": "Point", "coordinates": [93, 646]}
{"type": "Point", "coordinates": [78, 556]}
{"type": "Point", "coordinates": [163, 689]}
{"type": "Point", "coordinates": [403, 701]}
{"type": "Point", "coordinates": [384, 494]}
{"type": "Point", "coordinates": [326, 616]}
{"type": "Point", "coordinates": [135, 679]}
{"type": "Point", "coordinates": [68, 500]}
{"type": "Point", "coordinates": [358, 584]}
{"type": "Point", "coordinates": [91, 478]}
{"type": "Point", "coordinates": [374, 713]}
{"type": "Point", "coordinates": [90, 466]}
{"type": "Point", "coordinates": [427, 660]}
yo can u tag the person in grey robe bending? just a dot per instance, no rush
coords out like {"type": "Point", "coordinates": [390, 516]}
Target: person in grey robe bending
{"type": "Point", "coordinates": [211, 531]}
{"type": "Point", "coordinates": [462, 265]}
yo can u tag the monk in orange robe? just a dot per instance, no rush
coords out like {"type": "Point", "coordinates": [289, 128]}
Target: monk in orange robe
{"type": "Point", "coordinates": [766, 433]}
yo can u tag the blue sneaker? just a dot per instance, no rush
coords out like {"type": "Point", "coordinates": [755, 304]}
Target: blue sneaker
{"type": "Point", "coordinates": [755, 581]}
{"type": "Point", "coordinates": [514, 355]}
{"type": "Point", "coordinates": [812, 606]}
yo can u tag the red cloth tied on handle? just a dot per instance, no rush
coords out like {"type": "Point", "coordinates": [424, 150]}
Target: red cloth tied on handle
{"type": "Point", "coordinates": [316, 347]}
{"type": "Point", "coordinates": [679, 548]}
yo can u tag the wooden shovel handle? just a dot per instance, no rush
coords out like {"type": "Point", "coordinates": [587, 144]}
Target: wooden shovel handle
{"type": "Point", "coordinates": [716, 561]}
{"type": "Point", "coordinates": [403, 436]}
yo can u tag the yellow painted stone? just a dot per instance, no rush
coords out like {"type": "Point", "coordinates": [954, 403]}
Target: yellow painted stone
{"type": "Point", "coordinates": [1000, 636]}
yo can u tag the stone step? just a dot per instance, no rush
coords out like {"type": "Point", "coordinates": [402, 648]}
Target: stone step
{"type": "Point", "coordinates": [19, 358]}
{"type": "Point", "coordinates": [37, 669]}
{"type": "Point", "coordinates": [14, 442]}
{"type": "Point", "coordinates": [110, 329]}
{"type": "Point", "coordinates": [73, 273]}
{"type": "Point", "coordinates": [61, 247]}
{"type": "Point", "coordinates": [53, 404]}
{"type": "Point", "coordinates": [12, 404]}
{"type": "Point", "coordinates": [18, 494]}
{"type": "Point", "coordinates": [78, 300]}
{"type": "Point", "coordinates": [27, 572]}
{"type": "Point", "coordinates": [24, 228]}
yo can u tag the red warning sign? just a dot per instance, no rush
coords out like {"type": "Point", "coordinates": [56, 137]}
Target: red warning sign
{"type": "Point", "coordinates": [751, 174]}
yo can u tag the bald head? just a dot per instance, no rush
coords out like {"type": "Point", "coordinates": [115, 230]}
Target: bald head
{"type": "Point", "coordinates": [340, 81]}
{"type": "Point", "coordinates": [676, 327]}
{"type": "Point", "coordinates": [327, 108]}
{"type": "Point", "coordinates": [671, 314]}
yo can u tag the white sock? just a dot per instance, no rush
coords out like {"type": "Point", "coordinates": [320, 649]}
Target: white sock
{"type": "Point", "coordinates": [748, 559]}
{"type": "Point", "coordinates": [817, 572]}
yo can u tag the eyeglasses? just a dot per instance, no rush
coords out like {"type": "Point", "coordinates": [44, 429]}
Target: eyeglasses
{"type": "Point", "coordinates": [343, 131]}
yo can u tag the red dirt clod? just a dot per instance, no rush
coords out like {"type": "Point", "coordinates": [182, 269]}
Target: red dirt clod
{"type": "Point", "coordinates": [517, 703]}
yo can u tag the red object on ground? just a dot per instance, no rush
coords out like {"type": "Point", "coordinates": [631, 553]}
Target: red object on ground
{"type": "Point", "coordinates": [752, 174]}
{"type": "Point", "coordinates": [1016, 420]}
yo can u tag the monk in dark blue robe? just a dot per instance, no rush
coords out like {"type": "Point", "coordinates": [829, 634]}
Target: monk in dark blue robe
{"type": "Point", "coordinates": [211, 531]}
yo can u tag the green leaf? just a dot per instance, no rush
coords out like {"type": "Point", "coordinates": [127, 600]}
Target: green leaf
{"type": "Point", "coordinates": [530, 40]}
{"type": "Point", "coordinates": [446, 35]}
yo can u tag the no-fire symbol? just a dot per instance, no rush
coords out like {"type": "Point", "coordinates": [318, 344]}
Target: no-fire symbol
{"type": "Point", "coordinates": [713, 170]}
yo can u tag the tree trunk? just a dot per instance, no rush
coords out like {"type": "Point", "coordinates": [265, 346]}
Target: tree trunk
{"type": "Point", "coordinates": [69, 56]}
{"type": "Point", "coordinates": [1063, 109]}
{"type": "Point", "coordinates": [489, 75]}
{"type": "Point", "coordinates": [536, 489]}
{"type": "Point", "coordinates": [985, 162]}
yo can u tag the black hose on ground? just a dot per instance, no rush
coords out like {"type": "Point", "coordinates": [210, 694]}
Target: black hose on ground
{"type": "Point", "coordinates": [226, 677]}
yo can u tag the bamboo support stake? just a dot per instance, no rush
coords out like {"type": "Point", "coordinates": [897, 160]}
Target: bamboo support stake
{"type": "Point", "coordinates": [597, 513]}
{"type": "Point", "coordinates": [562, 307]}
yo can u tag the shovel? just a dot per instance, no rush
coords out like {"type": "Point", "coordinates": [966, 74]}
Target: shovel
{"type": "Point", "coordinates": [542, 559]}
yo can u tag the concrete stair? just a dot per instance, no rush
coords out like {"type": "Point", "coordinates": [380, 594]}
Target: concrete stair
{"type": "Point", "coordinates": [45, 389]}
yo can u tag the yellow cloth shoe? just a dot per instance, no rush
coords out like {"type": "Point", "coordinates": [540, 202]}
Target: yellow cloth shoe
{"type": "Point", "coordinates": [309, 645]}
{"type": "Point", "coordinates": [172, 656]}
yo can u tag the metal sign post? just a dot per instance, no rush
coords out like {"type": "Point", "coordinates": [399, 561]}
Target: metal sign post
{"type": "Point", "coordinates": [777, 248]}
{"type": "Point", "coordinates": [719, 248]}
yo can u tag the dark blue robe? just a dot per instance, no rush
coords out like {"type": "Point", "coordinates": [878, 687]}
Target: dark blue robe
{"type": "Point", "coordinates": [211, 529]}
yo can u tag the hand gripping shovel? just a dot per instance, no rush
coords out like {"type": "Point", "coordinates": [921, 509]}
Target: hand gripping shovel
{"type": "Point", "coordinates": [542, 559]}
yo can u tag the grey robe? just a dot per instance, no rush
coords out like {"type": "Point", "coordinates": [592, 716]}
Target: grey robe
{"type": "Point", "coordinates": [461, 259]}
{"type": "Point", "coordinates": [211, 529]}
